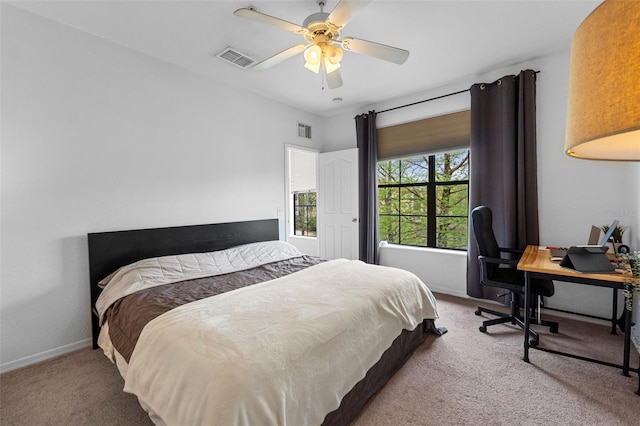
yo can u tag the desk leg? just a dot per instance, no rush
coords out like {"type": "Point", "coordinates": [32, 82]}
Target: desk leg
{"type": "Point", "coordinates": [614, 312]}
{"type": "Point", "coordinates": [627, 336]}
{"type": "Point", "coordinates": [527, 319]}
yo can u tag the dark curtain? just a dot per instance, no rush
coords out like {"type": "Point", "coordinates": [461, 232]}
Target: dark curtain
{"type": "Point", "coordinates": [503, 172]}
{"type": "Point", "coordinates": [368, 186]}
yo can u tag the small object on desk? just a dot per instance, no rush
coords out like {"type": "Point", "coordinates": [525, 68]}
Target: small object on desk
{"type": "Point", "coordinates": [557, 251]}
{"type": "Point", "coordinates": [623, 249]}
{"type": "Point", "coordinates": [555, 259]}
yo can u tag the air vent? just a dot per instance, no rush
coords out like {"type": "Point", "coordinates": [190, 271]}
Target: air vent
{"type": "Point", "coordinates": [236, 58]}
{"type": "Point", "coordinates": [304, 131]}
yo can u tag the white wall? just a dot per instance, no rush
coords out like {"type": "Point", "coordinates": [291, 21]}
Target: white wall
{"type": "Point", "coordinates": [573, 194]}
{"type": "Point", "coordinates": [444, 271]}
{"type": "Point", "coordinates": [96, 137]}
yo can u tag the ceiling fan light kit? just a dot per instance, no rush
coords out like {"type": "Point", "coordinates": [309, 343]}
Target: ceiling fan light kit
{"type": "Point", "coordinates": [329, 65]}
{"type": "Point", "coordinates": [312, 56]}
{"type": "Point", "coordinates": [333, 55]}
{"type": "Point", "coordinates": [324, 48]}
{"type": "Point", "coordinates": [329, 56]}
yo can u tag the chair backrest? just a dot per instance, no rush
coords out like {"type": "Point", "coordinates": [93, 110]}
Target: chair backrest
{"type": "Point", "coordinates": [482, 219]}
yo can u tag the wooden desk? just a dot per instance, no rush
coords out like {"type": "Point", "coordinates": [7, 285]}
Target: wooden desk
{"type": "Point", "coordinates": [536, 263]}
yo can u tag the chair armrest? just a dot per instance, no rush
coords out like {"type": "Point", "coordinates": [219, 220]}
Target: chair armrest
{"type": "Point", "coordinates": [511, 250]}
{"type": "Point", "coordinates": [484, 269]}
{"type": "Point", "coordinates": [498, 261]}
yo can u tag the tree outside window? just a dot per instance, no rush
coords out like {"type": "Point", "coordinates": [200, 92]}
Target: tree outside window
{"type": "Point", "coordinates": [304, 214]}
{"type": "Point", "coordinates": [424, 200]}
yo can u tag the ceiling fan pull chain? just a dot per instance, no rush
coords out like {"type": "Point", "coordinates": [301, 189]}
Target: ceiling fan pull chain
{"type": "Point", "coordinates": [323, 81]}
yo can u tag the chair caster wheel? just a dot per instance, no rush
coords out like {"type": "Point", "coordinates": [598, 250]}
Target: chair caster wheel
{"type": "Point", "coordinates": [478, 313]}
{"type": "Point", "coordinates": [483, 329]}
{"type": "Point", "coordinates": [533, 343]}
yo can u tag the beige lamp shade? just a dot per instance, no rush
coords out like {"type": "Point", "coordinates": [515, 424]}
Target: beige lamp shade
{"type": "Point", "coordinates": [603, 115]}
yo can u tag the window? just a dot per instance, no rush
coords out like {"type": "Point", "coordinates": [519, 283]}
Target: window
{"type": "Point", "coordinates": [304, 214]}
{"type": "Point", "coordinates": [302, 193]}
{"type": "Point", "coordinates": [423, 200]}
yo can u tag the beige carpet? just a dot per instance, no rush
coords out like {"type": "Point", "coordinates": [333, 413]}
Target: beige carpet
{"type": "Point", "coordinates": [463, 377]}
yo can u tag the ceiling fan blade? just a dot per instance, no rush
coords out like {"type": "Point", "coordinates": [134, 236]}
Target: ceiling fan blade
{"type": "Point", "coordinates": [279, 57]}
{"type": "Point", "coordinates": [377, 50]}
{"type": "Point", "coordinates": [267, 19]}
{"type": "Point", "coordinates": [334, 79]}
{"type": "Point", "coordinates": [344, 11]}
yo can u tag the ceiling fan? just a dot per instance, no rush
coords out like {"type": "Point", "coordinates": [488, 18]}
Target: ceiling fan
{"type": "Point", "coordinates": [324, 48]}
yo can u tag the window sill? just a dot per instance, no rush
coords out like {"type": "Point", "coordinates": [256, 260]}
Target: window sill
{"type": "Point", "coordinates": [303, 237]}
{"type": "Point", "coordinates": [399, 247]}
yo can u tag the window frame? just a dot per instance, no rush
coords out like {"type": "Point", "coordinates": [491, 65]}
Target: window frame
{"type": "Point", "coordinates": [306, 207]}
{"type": "Point", "coordinates": [287, 214]}
{"type": "Point", "coordinates": [430, 215]}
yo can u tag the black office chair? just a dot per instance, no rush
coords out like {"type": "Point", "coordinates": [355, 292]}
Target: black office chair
{"type": "Point", "coordinates": [496, 271]}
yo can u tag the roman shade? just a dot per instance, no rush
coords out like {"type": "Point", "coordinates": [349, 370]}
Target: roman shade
{"type": "Point", "coordinates": [303, 170]}
{"type": "Point", "coordinates": [435, 134]}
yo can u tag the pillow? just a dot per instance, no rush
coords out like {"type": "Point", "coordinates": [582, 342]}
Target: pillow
{"type": "Point", "coordinates": [147, 273]}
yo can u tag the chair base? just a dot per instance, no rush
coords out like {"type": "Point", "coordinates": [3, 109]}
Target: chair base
{"type": "Point", "coordinates": [515, 320]}
{"type": "Point", "coordinates": [553, 326]}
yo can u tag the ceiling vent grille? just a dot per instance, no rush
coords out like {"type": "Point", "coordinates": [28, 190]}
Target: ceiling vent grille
{"type": "Point", "coordinates": [236, 58]}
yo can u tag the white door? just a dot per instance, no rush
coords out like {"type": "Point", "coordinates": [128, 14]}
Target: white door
{"type": "Point", "coordinates": [338, 204]}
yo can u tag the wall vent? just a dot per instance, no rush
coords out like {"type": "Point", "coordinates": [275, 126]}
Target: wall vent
{"type": "Point", "coordinates": [236, 58]}
{"type": "Point", "coordinates": [304, 131]}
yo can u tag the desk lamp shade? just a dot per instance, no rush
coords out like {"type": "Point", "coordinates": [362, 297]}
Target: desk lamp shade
{"type": "Point", "coordinates": [603, 116]}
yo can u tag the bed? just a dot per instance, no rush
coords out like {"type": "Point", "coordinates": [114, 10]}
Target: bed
{"type": "Point", "coordinates": [225, 324]}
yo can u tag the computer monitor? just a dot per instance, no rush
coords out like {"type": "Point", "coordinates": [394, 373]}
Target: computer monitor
{"type": "Point", "coordinates": [609, 232]}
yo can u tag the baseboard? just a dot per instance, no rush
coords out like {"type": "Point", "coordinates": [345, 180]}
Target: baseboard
{"type": "Point", "coordinates": [448, 291]}
{"type": "Point", "coordinates": [43, 356]}
{"type": "Point", "coordinates": [576, 317]}
{"type": "Point", "coordinates": [543, 311]}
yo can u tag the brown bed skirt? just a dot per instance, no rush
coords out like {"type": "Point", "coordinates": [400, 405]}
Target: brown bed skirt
{"type": "Point", "coordinates": [391, 361]}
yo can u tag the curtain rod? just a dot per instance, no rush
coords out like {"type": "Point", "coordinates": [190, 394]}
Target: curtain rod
{"type": "Point", "coordinates": [428, 100]}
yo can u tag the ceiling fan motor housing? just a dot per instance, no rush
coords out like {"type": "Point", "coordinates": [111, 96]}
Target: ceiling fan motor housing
{"type": "Point", "coordinates": [317, 23]}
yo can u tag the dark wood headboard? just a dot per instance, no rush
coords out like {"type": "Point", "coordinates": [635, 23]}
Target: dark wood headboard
{"type": "Point", "coordinates": [109, 251]}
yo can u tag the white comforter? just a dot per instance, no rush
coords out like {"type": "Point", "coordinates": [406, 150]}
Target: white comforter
{"type": "Point", "coordinates": [283, 352]}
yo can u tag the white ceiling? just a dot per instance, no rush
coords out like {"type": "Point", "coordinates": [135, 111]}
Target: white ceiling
{"type": "Point", "coordinates": [448, 41]}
